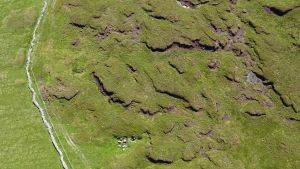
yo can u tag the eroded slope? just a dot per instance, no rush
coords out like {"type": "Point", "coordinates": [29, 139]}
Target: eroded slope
{"type": "Point", "coordinates": [194, 83]}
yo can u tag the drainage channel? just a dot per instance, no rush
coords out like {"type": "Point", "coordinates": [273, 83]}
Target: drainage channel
{"type": "Point", "coordinates": [34, 92]}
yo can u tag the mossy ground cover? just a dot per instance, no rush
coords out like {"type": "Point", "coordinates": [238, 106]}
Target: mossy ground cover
{"type": "Point", "coordinates": [197, 84]}
{"type": "Point", "coordinates": [24, 141]}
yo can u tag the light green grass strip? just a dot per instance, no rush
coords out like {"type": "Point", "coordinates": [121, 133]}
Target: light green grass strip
{"type": "Point", "coordinates": [46, 122]}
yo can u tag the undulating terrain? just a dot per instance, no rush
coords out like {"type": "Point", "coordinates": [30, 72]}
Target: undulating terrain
{"type": "Point", "coordinates": [152, 84]}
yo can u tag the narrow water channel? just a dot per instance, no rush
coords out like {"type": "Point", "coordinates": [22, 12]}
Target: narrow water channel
{"type": "Point", "coordinates": [34, 92]}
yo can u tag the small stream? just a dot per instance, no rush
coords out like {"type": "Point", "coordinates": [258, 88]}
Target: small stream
{"type": "Point", "coordinates": [34, 92]}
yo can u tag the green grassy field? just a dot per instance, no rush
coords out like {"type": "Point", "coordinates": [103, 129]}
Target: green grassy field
{"type": "Point", "coordinates": [24, 140]}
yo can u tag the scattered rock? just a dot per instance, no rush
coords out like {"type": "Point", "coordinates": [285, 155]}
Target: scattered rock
{"type": "Point", "coordinates": [213, 64]}
{"type": "Point", "coordinates": [75, 43]}
{"type": "Point", "coordinates": [252, 78]}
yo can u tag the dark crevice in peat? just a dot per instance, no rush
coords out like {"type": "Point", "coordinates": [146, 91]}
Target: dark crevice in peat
{"type": "Point", "coordinates": [153, 15]}
{"type": "Point", "coordinates": [170, 47]}
{"type": "Point", "coordinates": [216, 29]}
{"type": "Point", "coordinates": [131, 69]}
{"type": "Point", "coordinates": [293, 119]}
{"type": "Point", "coordinates": [195, 45]}
{"type": "Point", "coordinates": [78, 25]}
{"type": "Point", "coordinates": [147, 10]}
{"type": "Point", "coordinates": [270, 84]}
{"type": "Point", "coordinates": [100, 85]}
{"type": "Point", "coordinates": [158, 161]}
{"type": "Point", "coordinates": [109, 94]}
{"type": "Point", "coordinates": [276, 11]}
{"type": "Point", "coordinates": [68, 98]}
{"type": "Point", "coordinates": [209, 133]}
{"type": "Point", "coordinates": [256, 28]}
{"type": "Point", "coordinates": [158, 17]}
{"type": "Point", "coordinates": [172, 95]}
{"type": "Point", "coordinates": [255, 114]}
{"type": "Point", "coordinates": [231, 79]}
{"type": "Point", "coordinates": [176, 68]}
{"type": "Point", "coordinates": [132, 102]}
{"type": "Point", "coordinates": [191, 108]}
{"type": "Point", "coordinates": [284, 102]}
